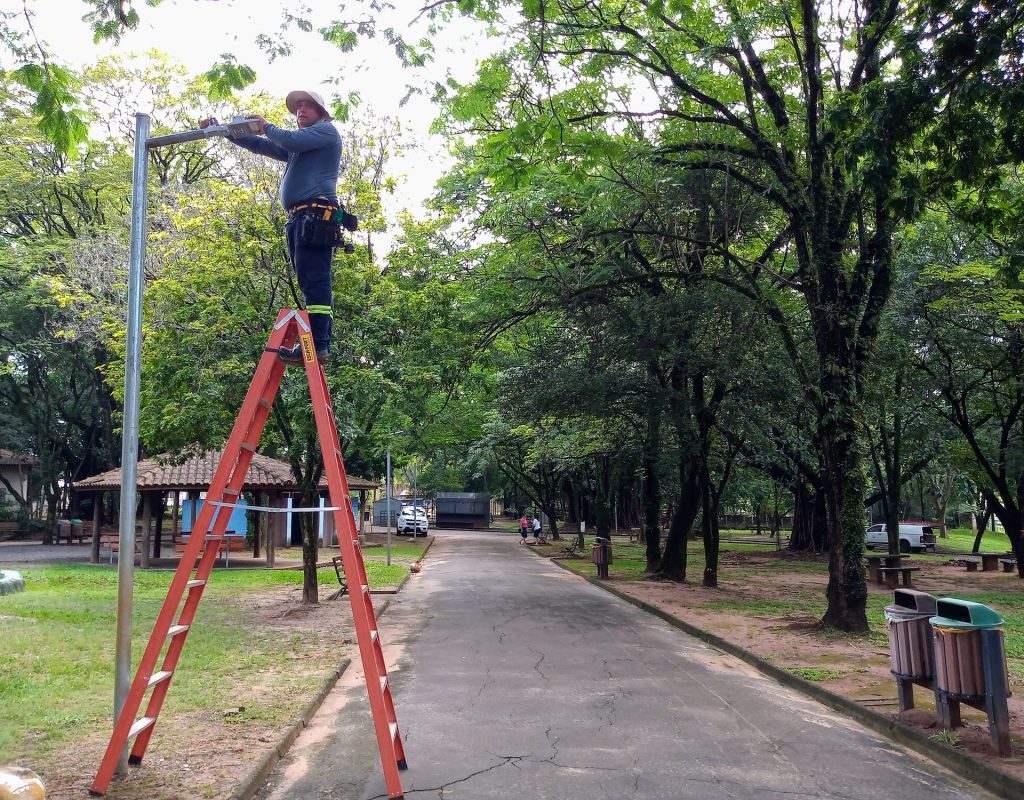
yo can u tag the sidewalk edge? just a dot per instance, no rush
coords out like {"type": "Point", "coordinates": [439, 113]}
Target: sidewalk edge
{"type": "Point", "coordinates": [254, 781]}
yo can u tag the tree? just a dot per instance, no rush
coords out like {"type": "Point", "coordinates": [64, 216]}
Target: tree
{"type": "Point", "coordinates": [798, 107]}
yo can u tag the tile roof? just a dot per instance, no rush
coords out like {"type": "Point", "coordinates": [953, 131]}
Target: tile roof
{"type": "Point", "coordinates": [197, 473]}
{"type": "Point", "coordinates": [10, 457]}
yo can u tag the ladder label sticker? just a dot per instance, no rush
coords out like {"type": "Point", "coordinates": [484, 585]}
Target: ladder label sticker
{"type": "Point", "coordinates": [307, 347]}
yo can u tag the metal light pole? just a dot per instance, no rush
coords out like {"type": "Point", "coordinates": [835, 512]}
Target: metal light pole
{"type": "Point", "coordinates": [388, 481]}
{"type": "Point", "coordinates": [132, 369]}
{"type": "Point", "coordinates": [130, 437]}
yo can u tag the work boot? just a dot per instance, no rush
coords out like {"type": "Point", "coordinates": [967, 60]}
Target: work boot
{"type": "Point", "coordinates": [293, 355]}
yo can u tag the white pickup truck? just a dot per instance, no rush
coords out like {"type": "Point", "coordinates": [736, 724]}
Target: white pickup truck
{"type": "Point", "coordinates": [913, 537]}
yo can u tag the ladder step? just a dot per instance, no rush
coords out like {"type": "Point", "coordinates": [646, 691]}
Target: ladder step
{"type": "Point", "coordinates": [250, 447]}
{"type": "Point", "coordinates": [383, 683]}
{"type": "Point", "coordinates": [374, 636]}
{"type": "Point", "coordinates": [229, 490]}
{"type": "Point", "coordinates": [160, 677]}
{"type": "Point", "coordinates": [141, 725]}
{"type": "Point", "coordinates": [175, 630]}
{"type": "Point", "coordinates": [194, 583]}
{"type": "Point", "coordinates": [393, 726]}
{"type": "Point", "coordinates": [265, 403]}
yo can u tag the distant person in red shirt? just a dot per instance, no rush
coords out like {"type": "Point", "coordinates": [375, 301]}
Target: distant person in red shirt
{"type": "Point", "coordinates": [524, 527]}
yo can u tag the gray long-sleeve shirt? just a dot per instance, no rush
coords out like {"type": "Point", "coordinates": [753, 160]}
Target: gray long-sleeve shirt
{"type": "Point", "coordinates": [313, 156]}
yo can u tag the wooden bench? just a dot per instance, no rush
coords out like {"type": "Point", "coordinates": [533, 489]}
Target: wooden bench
{"type": "Point", "coordinates": [572, 548]}
{"type": "Point", "coordinates": [890, 575]}
{"type": "Point", "coordinates": [231, 543]}
{"type": "Point", "coordinates": [1009, 564]}
{"type": "Point", "coordinates": [8, 530]}
{"type": "Point", "coordinates": [112, 543]}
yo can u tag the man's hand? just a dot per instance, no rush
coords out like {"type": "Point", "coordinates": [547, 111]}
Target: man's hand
{"type": "Point", "coordinates": [258, 118]}
{"type": "Point", "coordinates": [206, 123]}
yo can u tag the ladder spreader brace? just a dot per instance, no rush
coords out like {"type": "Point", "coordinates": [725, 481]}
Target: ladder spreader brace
{"type": "Point", "coordinates": [211, 524]}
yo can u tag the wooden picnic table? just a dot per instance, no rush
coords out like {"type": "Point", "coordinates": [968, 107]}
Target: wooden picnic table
{"type": "Point", "coordinates": [891, 574]}
{"type": "Point", "coordinates": [876, 562]}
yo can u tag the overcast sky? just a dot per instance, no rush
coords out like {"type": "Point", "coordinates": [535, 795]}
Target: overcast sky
{"type": "Point", "coordinates": [197, 32]}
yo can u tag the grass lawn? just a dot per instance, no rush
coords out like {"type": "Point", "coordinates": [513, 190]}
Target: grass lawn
{"type": "Point", "coordinates": [56, 663]}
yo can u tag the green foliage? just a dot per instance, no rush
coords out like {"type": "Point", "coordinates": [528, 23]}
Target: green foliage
{"type": "Point", "coordinates": [55, 103]}
{"type": "Point", "coordinates": [228, 76]}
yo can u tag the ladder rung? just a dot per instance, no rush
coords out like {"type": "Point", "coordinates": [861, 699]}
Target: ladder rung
{"type": "Point", "coordinates": [383, 683]}
{"type": "Point", "coordinates": [374, 636]}
{"type": "Point", "coordinates": [229, 490]}
{"type": "Point", "coordinates": [194, 583]}
{"type": "Point", "coordinates": [393, 727]}
{"type": "Point", "coordinates": [141, 725]}
{"type": "Point", "coordinates": [265, 403]}
{"type": "Point", "coordinates": [159, 677]}
{"type": "Point", "coordinates": [250, 447]}
{"type": "Point", "coordinates": [174, 630]}
{"type": "Point", "coordinates": [366, 589]}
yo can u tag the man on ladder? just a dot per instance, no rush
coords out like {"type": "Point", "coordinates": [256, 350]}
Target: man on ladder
{"type": "Point", "coordinates": [309, 192]}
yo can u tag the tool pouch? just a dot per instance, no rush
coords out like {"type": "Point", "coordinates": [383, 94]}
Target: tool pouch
{"type": "Point", "coordinates": [319, 232]}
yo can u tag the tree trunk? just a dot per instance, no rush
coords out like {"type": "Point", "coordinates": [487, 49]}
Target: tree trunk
{"type": "Point", "coordinates": [673, 562]}
{"type": "Point", "coordinates": [810, 531]}
{"type": "Point", "coordinates": [710, 528]}
{"type": "Point", "coordinates": [844, 504]}
{"type": "Point", "coordinates": [310, 588]}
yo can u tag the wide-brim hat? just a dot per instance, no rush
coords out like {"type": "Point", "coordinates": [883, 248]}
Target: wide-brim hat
{"type": "Point", "coordinates": [293, 98]}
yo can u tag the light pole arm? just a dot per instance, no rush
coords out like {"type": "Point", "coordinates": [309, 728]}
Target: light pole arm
{"type": "Point", "coordinates": [239, 126]}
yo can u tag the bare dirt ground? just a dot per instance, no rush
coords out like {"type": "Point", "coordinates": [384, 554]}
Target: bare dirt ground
{"type": "Point", "coordinates": [855, 667]}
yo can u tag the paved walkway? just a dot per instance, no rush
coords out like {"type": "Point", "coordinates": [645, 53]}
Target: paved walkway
{"type": "Point", "coordinates": [515, 679]}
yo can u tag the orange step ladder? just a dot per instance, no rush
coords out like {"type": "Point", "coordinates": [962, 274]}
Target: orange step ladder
{"type": "Point", "coordinates": [173, 625]}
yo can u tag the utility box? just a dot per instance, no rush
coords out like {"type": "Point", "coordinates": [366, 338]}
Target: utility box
{"type": "Point", "coordinates": [910, 642]}
{"type": "Point", "coordinates": [384, 508]}
{"type": "Point", "coordinates": [970, 666]}
{"type": "Point", "coordinates": [64, 530]}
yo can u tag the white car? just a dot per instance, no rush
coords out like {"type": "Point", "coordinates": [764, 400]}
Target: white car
{"type": "Point", "coordinates": [912, 537]}
{"type": "Point", "coordinates": [412, 520]}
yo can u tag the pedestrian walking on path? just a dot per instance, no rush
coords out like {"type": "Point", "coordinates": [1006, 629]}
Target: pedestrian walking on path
{"type": "Point", "coordinates": [524, 527]}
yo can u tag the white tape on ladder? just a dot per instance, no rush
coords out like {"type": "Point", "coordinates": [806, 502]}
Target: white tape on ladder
{"type": "Point", "coordinates": [273, 510]}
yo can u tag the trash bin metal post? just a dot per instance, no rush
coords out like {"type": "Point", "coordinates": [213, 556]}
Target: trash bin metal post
{"type": "Point", "coordinates": [996, 690]}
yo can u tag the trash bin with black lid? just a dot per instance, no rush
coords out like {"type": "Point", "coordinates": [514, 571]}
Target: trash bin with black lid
{"type": "Point", "coordinates": [970, 666]}
{"type": "Point", "coordinates": [910, 642]}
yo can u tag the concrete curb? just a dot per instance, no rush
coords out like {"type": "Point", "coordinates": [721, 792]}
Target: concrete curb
{"type": "Point", "coordinates": [958, 761]}
{"type": "Point", "coordinates": [254, 781]}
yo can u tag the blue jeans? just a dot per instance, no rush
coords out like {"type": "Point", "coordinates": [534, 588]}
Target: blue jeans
{"type": "Point", "coordinates": [312, 265]}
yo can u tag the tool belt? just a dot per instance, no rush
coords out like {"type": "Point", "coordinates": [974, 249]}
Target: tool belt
{"type": "Point", "coordinates": [313, 208]}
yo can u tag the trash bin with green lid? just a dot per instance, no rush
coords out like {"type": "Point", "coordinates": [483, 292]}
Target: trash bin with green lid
{"type": "Point", "coordinates": [970, 666]}
{"type": "Point", "coordinates": [910, 642]}
{"type": "Point", "coordinates": [76, 530]}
